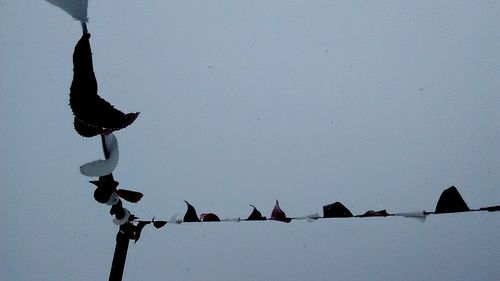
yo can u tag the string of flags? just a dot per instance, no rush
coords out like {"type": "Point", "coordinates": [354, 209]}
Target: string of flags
{"type": "Point", "coordinates": [94, 116]}
{"type": "Point", "coordinates": [107, 192]}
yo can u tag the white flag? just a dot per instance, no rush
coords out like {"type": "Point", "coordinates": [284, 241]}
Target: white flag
{"type": "Point", "coordinates": [101, 168]}
{"type": "Point", "coordinates": [76, 8]}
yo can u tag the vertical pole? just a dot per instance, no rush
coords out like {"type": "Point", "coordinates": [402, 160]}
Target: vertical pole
{"type": "Point", "coordinates": [122, 241]}
{"type": "Point", "coordinates": [104, 149]}
{"type": "Point", "coordinates": [119, 257]}
{"type": "Point", "coordinates": [84, 28]}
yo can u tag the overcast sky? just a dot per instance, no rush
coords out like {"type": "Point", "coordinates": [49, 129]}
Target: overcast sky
{"type": "Point", "coordinates": [377, 104]}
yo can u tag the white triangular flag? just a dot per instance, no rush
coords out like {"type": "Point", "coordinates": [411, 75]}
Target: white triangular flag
{"type": "Point", "coordinates": [76, 8]}
{"type": "Point", "coordinates": [101, 168]}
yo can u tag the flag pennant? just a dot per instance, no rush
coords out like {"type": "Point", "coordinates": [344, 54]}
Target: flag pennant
{"type": "Point", "coordinates": [101, 168]}
{"type": "Point", "coordinates": [205, 217]}
{"type": "Point", "coordinates": [75, 8]}
{"type": "Point", "coordinates": [129, 195]}
{"type": "Point", "coordinates": [190, 215]}
{"type": "Point", "coordinates": [278, 214]}
{"type": "Point", "coordinates": [93, 114]}
{"type": "Point", "coordinates": [451, 201]}
{"type": "Point", "coordinates": [336, 210]}
{"type": "Point", "coordinates": [255, 215]}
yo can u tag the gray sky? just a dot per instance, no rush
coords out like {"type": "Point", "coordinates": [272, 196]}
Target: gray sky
{"type": "Point", "coordinates": [374, 104]}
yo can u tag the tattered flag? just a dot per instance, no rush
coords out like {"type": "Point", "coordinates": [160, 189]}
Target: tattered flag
{"type": "Point", "coordinates": [278, 214]}
{"type": "Point", "coordinates": [256, 215]}
{"type": "Point", "coordinates": [93, 115]}
{"type": "Point", "coordinates": [190, 215]}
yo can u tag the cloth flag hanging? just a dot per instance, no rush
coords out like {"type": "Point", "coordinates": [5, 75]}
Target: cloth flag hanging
{"type": "Point", "coordinates": [278, 214]}
{"type": "Point", "coordinates": [209, 217]}
{"type": "Point", "coordinates": [451, 201]}
{"type": "Point", "coordinates": [99, 168]}
{"type": "Point", "coordinates": [190, 215]}
{"type": "Point", "coordinates": [93, 115]}
{"type": "Point", "coordinates": [336, 210]}
{"type": "Point", "coordinates": [256, 215]}
{"type": "Point", "coordinates": [75, 8]}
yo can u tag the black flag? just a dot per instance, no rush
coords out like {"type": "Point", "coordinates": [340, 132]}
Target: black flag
{"type": "Point", "coordinates": [93, 114]}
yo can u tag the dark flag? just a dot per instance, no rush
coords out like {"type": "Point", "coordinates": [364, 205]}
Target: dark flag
{"type": "Point", "coordinates": [190, 215]}
{"type": "Point", "coordinates": [93, 115]}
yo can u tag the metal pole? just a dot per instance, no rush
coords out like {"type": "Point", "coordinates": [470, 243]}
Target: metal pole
{"type": "Point", "coordinates": [119, 257]}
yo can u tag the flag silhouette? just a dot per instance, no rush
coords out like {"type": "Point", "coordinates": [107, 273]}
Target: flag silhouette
{"type": "Point", "coordinates": [256, 215]}
{"type": "Point", "coordinates": [336, 210]}
{"type": "Point", "coordinates": [190, 215]}
{"type": "Point", "coordinates": [209, 217]}
{"type": "Point", "coordinates": [93, 114]}
{"type": "Point", "coordinates": [99, 168]}
{"type": "Point", "coordinates": [451, 201]}
{"type": "Point", "coordinates": [278, 214]}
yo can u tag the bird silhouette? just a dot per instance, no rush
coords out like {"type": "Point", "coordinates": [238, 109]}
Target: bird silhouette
{"type": "Point", "coordinates": [278, 214]}
{"type": "Point", "coordinates": [190, 215]}
{"type": "Point", "coordinates": [93, 114]}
